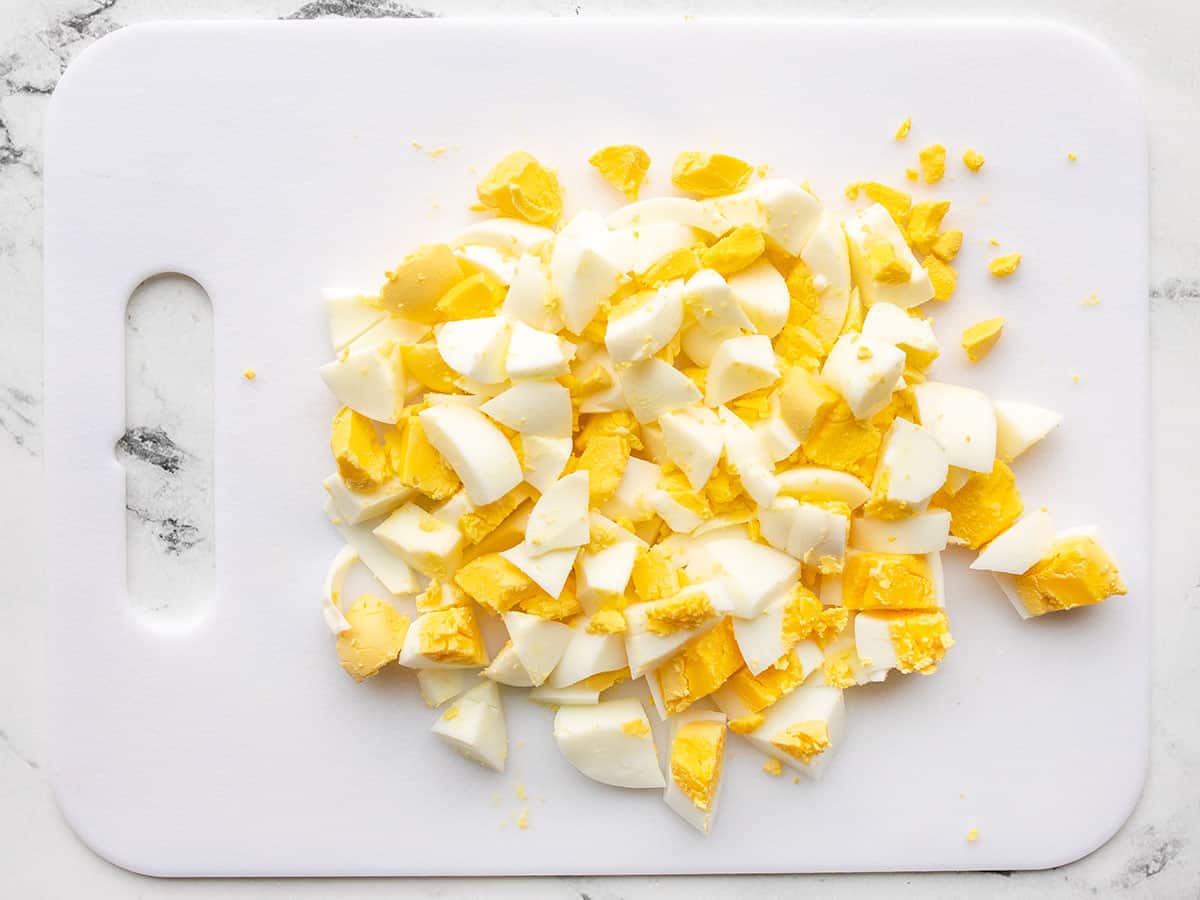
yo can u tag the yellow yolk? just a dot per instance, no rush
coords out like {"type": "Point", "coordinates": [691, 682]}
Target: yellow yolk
{"type": "Point", "coordinates": [505, 536]}
{"type": "Point", "coordinates": [885, 266]}
{"type": "Point", "coordinates": [424, 363]}
{"type": "Point", "coordinates": [545, 606]}
{"type": "Point", "coordinates": [735, 251]}
{"type": "Point", "coordinates": [887, 581]}
{"type": "Point", "coordinates": [933, 163]}
{"type": "Point", "coordinates": [804, 741]}
{"type": "Point", "coordinates": [942, 276]}
{"type": "Point", "coordinates": [837, 669]}
{"type": "Point", "coordinates": [986, 505]}
{"type": "Point", "coordinates": [804, 399]}
{"type": "Point", "coordinates": [494, 582]}
{"type": "Point", "coordinates": [440, 595]}
{"type": "Point", "coordinates": [973, 159]}
{"type": "Point", "coordinates": [1077, 573]}
{"type": "Point", "coordinates": [375, 637]}
{"type": "Point", "coordinates": [797, 346]}
{"type": "Point", "coordinates": [1003, 266]}
{"type": "Point", "coordinates": [946, 246]}
{"type": "Point", "coordinates": [753, 406]}
{"type": "Point", "coordinates": [838, 441]}
{"type": "Point", "coordinates": [483, 520]}
{"type": "Point", "coordinates": [746, 724]}
{"type": "Point", "coordinates": [655, 577]}
{"type": "Point", "coordinates": [924, 222]}
{"type": "Point", "coordinates": [361, 461]}
{"type": "Point", "coordinates": [696, 757]}
{"type": "Point", "coordinates": [920, 639]}
{"type": "Point", "coordinates": [602, 681]}
{"type": "Point", "coordinates": [773, 767]}
{"type": "Point", "coordinates": [607, 621]}
{"type": "Point", "coordinates": [417, 463]}
{"type": "Point", "coordinates": [604, 459]}
{"type": "Point", "coordinates": [710, 174]}
{"type": "Point", "coordinates": [636, 728]}
{"type": "Point", "coordinates": [677, 487]}
{"type": "Point", "coordinates": [415, 286]}
{"type": "Point", "coordinates": [679, 613]}
{"type": "Point", "coordinates": [903, 130]}
{"type": "Point", "coordinates": [249, 374]}
{"type": "Point", "coordinates": [521, 186]}
{"type": "Point", "coordinates": [672, 265]}
{"type": "Point", "coordinates": [804, 617]}
{"type": "Point", "coordinates": [760, 691]}
{"type": "Point", "coordinates": [624, 166]}
{"type": "Point", "coordinates": [472, 298]}
{"type": "Point", "coordinates": [452, 636]}
{"type": "Point", "coordinates": [980, 338]}
{"type": "Point", "coordinates": [911, 174]}
{"type": "Point", "coordinates": [703, 665]}
{"type": "Point", "coordinates": [894, 200]}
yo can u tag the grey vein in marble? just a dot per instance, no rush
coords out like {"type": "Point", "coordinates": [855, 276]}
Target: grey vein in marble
{"type": "Point", "coordinates": [360, 9]}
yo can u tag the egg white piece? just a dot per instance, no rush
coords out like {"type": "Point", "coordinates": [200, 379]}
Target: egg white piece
{"type": "Point", "coordinates": [740, 365]}
{"type": "Point", "coordinates": [440, 685]}
{"type": "Point", "coordinates": [710, 300]}
{"type": "Point", "coordinates": [356, 507]}
{"type": "Point", "coordinates": [391, 328]}
{"type": "Point", "coordinates": [875, 224]}
{"type": "Point", "coordinates": [828, 259]}
{"type": "Point", "coordinates": [393, 572]}
{"type": "Point", "coordinates": [694, 442]}
{"type": "Point", "coordinates": [548, 570]}
{"type": "Point", "coordinates": [830, 590]}
{"type": "Point", "coordinates": [636, 249]}
{"type": "Point", "coordinates": [779, 208]}
{"type": "Point", "coordinates": [676, 799]}
{"type": "Point", "coordinates": [539, 643]}
{"type": "Point", "coordinates": [889, 324]}
{"type": "Point", "coordinates": [426, 543]}
{"type": "Point", "coordinates": [701, 346]}
{"type": "Point", "coordinates": [543, 459]}
{"type": "Point", "coordinates": [411, 656]}
{"type": "Point", "coordinates": [610, 742]}
{"type": "Point", "coordinates": [451, 511]}
{"type": "Point", "coordinates": [587, 655]}
{"type": "Point", "coordinates": [816, 483]}
{"type": "Point", "coordinates": [678, 517]}
{"type": "Point", "coordinates": [873, 643]}
{"type": "Point", "coordinates": [631, 500]}
{"type": "Point", "coordinates": [752, 572]}
{"type": "Point", "coordinates": [1015, 550]}
{"type": "Point", "coordinates": [805, 704]}
{"type": "Point", "coordinates": [477, 450]}
{"type": "Point", "coordinates": [475, 348]}
{"type": "Point", "coordinates": [506, 668]}
{"type": "Point", "coordinates": [533, 407]}
{"type": "Point", "coordinates": [602, 575]}
{"type": "Point", "coordinates": [369, 381]}
{"type": "Point", "coordinates": [1021, 425]}
{"type": "Point", "coordinates": [536, 354]}
{"type": "Point", "coordinates": [476, 258]}
{"type": "Point", "coordinates": [761, 640]}
{"type": "Point", "coordinates": [477, 729]}
{"type": "Point", "coordinates": [914, 463]}
{"type": "Point", "coordinates": [350, 313]}
{"type": "Point", "coordinates": [962, 421]}
{"type": "Point", "coordinates": [776, 435]}
{"type": "Point", "coordinates": [646, 650]}
{"type": "Point", "coordinates": [559, 519]}
{"type": "Point", "coordinates": [571, 695]}
{"type": "Point", "coordinates": [335, 578]}
{"type": "Point", "coordinates": [818, 537]}
{"type": "Point", "coordinates": [648, 327]}
{"type": "Point", "coordinates": [512, 237]}
{"type": "Point", "coordinates": [583, 278]}
{"type": "Point", "coordinates": [748, 458]}
{"type": "Point", "coordinates": [529, 296]}
{"type": "Point", "coordinates": [653, 387]}
{"type": "Point", "coordinates": [865, 372]}
{"type": "Point", "coordinates": [763, 296]}
{"type": "Point", "coordinates": [608, 399]}
{"type": "Point", "coordinates": [671, 211]}
{"type": "Point", "coordinates": [926, 532]}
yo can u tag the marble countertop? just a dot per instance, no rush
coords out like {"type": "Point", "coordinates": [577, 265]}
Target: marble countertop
{"type": "Point", "coordinates": [1156, 854]}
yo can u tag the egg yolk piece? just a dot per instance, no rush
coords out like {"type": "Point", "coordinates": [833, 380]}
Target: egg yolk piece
{"type": "Point", "coordinates": [888, 581]}
{"type": "Point", "coordinates": [710, 174]}
{"type": "Point", "coordinates": [420, 280]}
{"type": "Point", "coordinates": [361, 460]}
{"type": "Point", "coordinates": [375, 637]}
{"type": "Point", "coordinates": [1078, 573]}
{"type": "Point", "coordinates": [521, 186]}
{"type": "Point", "coordinates": [986, 505]}
{"type": "Point", "coordinates": [679, 613]}
{"type": "Point", "coordinates": [417, 463]}
{"type": "Point", "coordinates": [697, 753]}
{"type": "Point", "coordinates": [492, 581]}
{"type": "Point", "coordinates": [452, 636]}
{"type": "Point", "coordinates": [804, 741]}
{"type": "Point", "coordinates": [624, 166]}
{"type": "Point", "coordinates": [700, 668]}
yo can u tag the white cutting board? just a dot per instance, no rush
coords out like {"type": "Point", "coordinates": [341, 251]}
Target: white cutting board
{"type": "Point", "coordinates": [269, 160]}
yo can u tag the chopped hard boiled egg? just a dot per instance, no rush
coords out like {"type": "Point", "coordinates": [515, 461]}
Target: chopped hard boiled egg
{"type": "Point", "coordinates": [694, 767]}
{"type": "Point", "coordinates": [474, 726]}
{"type": "Point", "coordinates": [610, 742]}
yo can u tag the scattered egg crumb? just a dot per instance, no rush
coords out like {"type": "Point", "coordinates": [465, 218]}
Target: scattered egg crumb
{"type": "Point", "coordinates": [523, 819]}
{"type": "Point", "coordinates": [933, 163]}
{"type": "Point", "coordinates": [1075, 377]}
{"type": "Point", "coordinates": [249, 374]}
{"type": "Point", "coordinates": [904, 129]}
{"type": "Point", "coordinates": [993, 242]}
{"type": "Point", "coordinates": [773, 767]}
{"type": "Point", "coordinates": [520, 791]}
{"type": "Point", "coordinates": [1072, 157]}
{"type": "Point", "coordinates": [911, 174]}
{"type": "Point", "coordinates": [973, 835]}
{"type": "Point", "coordinates": [1091, 299]}
{"type": "Point", "coordinates": [973, 160]}
{"type": "Point", "coordinates": [1003, 266]}
{"type": "Point", "coordinates": [980, 338]}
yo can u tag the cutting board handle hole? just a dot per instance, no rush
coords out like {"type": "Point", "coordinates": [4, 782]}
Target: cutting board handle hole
{"type": "Point", "coordinates": [167, 449]}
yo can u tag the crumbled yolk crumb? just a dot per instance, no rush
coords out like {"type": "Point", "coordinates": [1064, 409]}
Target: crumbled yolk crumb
{"type": "Point", "coordinates": [746, 724]}
{"type": "Point", "coordinates": [417, 463]}
{"type": "Point", "coordinates": [607, 621]}
{"type": "Point", "coordinates": [710, 174]}
{"type": "Point", "coordinates": [924, 222]}
{"type": "Point", "coordinates": [804, 617]}
{"type": "Point", "coordinates": [523, 819]}
{"type": "Point", "coordinates": [885, 266]}
{"type": "Point", "coordinates": [679, 613]}
{"type": "Point", "coordinates": [636, 728]}
{"type": "Point", "coordinates": [483, 520]}
{"type": "Point", "coordinates": [249, 374]}
{"type": "Point", "coordinates": [895, 201]}
{"type": "Point", "coordinates": [1078, 572]}
{"type": "Point", "coordinates": [920, 639]}
{"type": "Point", "coordinates": [980, 338]}
{"type": "Point", "coordinates": [911, 174]}
{"type": "Point", "coordinates": [1003, 266]}
{"type": "Point", "coordinates": [696, 756]}
{"type": "Point", "coordinates": [972, 835]}
{"type": "Point", "coordinates": [452, 636]}
{"type": "Point", "coordinates": [440, 596]}
{"type": "Point", "coordinates": [933, 163]}
{"type": "Point", "coordinates": [474, 297]}
{"type": "Point", "coordinates": [804, 741]}
{"type": "Point", "coordinates": [887, 581]}
{"type": "Point", "coordinates": [1072, 157]}
{"type": "Point", "coordinates": [494, 582]}
{"type": "Point", "coordinates": [375, 637]}
{"type": "Point", "coordinates": [735, 251]}
{"type": "Point", "coordinates": [680, 263]}
{"type": "Point", "coordinates": [624, 166]}
{"type": "Point", "coordinates": [521, 186]}
{"type": "Point", "coordinates": [361, 460]}
{"type": "Point", "coordinates": [973, 160]}
{"type": "Point", "coordinates": [773, 767]}
{"type": "Point", "coordinates": [903, 130]}
{"type": "Point", "coordinates": [1091, 299]}
{"type": "Point", "coordinates": [946, 246]}
{"type": "Point", "coordinates": [703, 665]}
{"type": "Point", "coordinates": [987, 504]}
{"type": "Point", "coordinates": [420, 280]}
{"type": "Point", "coordinates": [450, 714]}
{"type": "Point", "coordinates": [655, 577]}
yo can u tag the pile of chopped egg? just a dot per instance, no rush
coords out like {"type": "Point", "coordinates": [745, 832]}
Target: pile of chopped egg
{"type": "Point", "coordinates": [689, 452]}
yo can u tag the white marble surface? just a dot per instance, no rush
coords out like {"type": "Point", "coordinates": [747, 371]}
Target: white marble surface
{"type": "Point", "coordinates": [1155, 855]}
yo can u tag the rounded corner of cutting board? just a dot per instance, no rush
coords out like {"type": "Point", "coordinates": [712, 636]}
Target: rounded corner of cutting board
{"type": "Point", "coordinates": [95, 833]}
